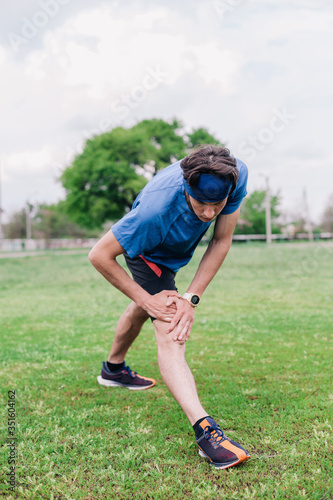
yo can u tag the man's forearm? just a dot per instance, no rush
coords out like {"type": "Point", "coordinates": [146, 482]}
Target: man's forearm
{"type": "Point", "coordinates": [118, 277]}
{"type": "Point", "coordinates": [210, 263]}
{"type": "Point", "coordinates": [103, 257]}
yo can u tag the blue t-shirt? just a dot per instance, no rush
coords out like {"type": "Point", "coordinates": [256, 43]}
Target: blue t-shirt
{"type": "Point", "coordinates": [161, 227]}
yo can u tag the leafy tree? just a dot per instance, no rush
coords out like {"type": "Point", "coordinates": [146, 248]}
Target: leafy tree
{"type": "Point", "coordinates": [162, 143]}
{"type": "Point", "coordinates": [201, 136]}
{"type": "Point", "coordinates": [47, 221]}
{"type": "Point", "coordinates": [16, 225]}
{"type": "Point", "coordinates": [103, 181]}
{"type": "Point", "coordinates": [51, 221]}
{"type": "Point", "coordinates": [252, 218]}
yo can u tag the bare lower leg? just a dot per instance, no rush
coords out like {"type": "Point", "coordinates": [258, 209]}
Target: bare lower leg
{"type": "Point", "coordinates": [176, 373]}
{"type": "Point", "coordinates": [128, 328]}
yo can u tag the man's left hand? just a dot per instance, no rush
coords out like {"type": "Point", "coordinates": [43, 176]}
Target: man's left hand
{"type": "Point", "coordinates": [182, 321]}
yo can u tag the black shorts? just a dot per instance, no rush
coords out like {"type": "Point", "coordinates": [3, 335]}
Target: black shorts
{"type": "Point", "coordinates": [151, 277]}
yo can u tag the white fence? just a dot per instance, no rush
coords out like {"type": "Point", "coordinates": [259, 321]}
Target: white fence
{"type": "Point", "coordinates": [18, 245]}
{"type": "Point", "coordinates": [45, 244]}
{"type": "Point", "coordinates": [282, 237]}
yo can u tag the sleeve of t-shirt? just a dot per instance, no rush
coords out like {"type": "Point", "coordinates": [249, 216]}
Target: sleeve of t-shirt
{"type": "Point", "coordinates": [235, 200]}
{"type": "Point", "coordinates": [138, 231]}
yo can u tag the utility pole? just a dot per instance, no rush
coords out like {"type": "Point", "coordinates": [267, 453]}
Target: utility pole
{"type": "Point", "coordinates": [268, 213]}
{"type": "Point", "coordinates": [28, 220]}
{"type": "Point", "coordinates": [308, 225]}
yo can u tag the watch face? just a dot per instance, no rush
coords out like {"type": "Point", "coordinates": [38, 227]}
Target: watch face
{"type": "Point", "coordinates": [195, 299]}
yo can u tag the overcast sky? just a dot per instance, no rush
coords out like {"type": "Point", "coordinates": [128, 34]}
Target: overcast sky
{"type": "Point", "coordinates": [258, 74]}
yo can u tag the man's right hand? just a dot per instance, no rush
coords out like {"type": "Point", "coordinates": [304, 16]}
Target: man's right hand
{"type": "Point", "coordinates": [157, 308]}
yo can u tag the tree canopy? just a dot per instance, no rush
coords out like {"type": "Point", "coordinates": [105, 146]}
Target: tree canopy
{"type": "Point", "coordinates": [103, 181]}
{"type": "Point", "coordinates": [47, 221]}
{"type": "Point", "coordinates": [51, 221]}
{"type": "Point", "coordinates": [252, 218]}
{"type": "Point", "coordinates": [16, 225]}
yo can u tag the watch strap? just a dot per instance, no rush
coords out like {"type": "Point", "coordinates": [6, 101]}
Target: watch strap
{"type": "Point", "coordinates": [188, 296]}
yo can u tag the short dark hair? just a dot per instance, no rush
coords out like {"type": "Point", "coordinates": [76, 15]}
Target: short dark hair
{"type": "Point", "coordinates": [209, 159]}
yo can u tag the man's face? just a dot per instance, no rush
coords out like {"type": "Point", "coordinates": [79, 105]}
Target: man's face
{"type": "Point", "coordinates": [207, 212]}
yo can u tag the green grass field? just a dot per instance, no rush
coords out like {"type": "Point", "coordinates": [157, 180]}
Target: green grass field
{"type": "Point", "coordinates": [259, 351]}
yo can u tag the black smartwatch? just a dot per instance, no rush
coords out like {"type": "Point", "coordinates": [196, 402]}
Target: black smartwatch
{"type": "Point", "coordinates": [192, 298]}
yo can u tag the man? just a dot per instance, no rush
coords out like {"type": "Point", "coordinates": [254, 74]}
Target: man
{"type": "Point", "coordinates": [157, 237]}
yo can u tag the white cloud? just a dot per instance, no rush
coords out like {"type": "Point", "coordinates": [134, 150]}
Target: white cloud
{"type": "Point", "coordinates": [227, 74]}
{"type": "Point", "coordinates": [29, 162]}
{"type": "Point", "coordinates": [29, 176]}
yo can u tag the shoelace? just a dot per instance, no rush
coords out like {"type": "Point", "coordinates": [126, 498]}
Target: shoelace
{"type": "Point", "coordinates": [129, 372]}
{"type": "Point", "coordinates": [214, 434]}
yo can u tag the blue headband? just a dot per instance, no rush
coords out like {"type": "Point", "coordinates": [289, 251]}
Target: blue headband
{"type": "Point", "coordinates": [210, 188]}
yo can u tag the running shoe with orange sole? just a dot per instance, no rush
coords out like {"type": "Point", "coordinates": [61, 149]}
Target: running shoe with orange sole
{"type": "Point", "coordinates": [221, 451]}
{"type": "Point", "coordinates": [124, 378]}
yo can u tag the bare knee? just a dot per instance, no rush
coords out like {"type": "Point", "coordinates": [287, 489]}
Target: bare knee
{"type": "Point", "coordinates": [165, 340]}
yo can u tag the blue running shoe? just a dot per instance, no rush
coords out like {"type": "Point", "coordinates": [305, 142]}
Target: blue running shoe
{"type": "Point", "coordinates": [124, 378]}
{"type": "Point", "coordinates": [217, 447]}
